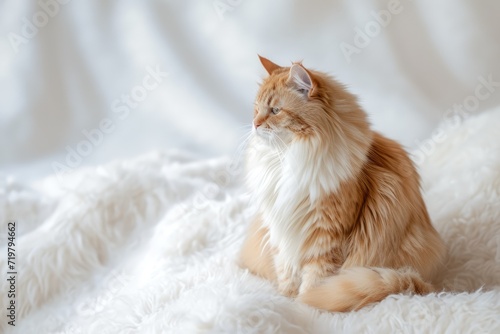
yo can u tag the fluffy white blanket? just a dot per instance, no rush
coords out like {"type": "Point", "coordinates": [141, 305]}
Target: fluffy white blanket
{"type": "Point", "coordinates": [149, 246]}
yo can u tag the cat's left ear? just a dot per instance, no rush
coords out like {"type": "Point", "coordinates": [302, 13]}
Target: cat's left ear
{"type": "Point", "coordinates": [268, 65]}
{"type": "Point", "coordinates": [302, 80]}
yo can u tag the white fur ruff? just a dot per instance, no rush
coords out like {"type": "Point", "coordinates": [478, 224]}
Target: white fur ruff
{"type": "Point", "coordinates": [285, 184]}
{"type": "Point", "coordinates": [150, 245]}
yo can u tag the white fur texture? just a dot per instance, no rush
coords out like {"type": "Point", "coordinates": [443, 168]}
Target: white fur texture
{"type": "Point", "coordinates": [285, 182]}
{"type": "Point", "coordinates": [149, 246]}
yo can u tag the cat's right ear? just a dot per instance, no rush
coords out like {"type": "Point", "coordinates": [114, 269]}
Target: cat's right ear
{"type": "Point", "coordinates": [302, 80]}
{"type": "Point", "coordinates": [268, 65]}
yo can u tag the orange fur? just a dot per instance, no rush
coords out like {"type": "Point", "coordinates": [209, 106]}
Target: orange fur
{"type": "Point", "coordinates": [356, 228]}
{"type": "Point", "coordinates": [256, 254]}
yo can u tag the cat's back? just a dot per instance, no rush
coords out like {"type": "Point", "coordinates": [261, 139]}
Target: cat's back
{"type": "Point", "coordinates": [394, 213]}
{"type": "Point", "coordinates": [387, 154]}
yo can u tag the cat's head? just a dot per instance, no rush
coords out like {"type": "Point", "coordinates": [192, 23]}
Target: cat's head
{"type": "Point", "coordinates": [292, 103]}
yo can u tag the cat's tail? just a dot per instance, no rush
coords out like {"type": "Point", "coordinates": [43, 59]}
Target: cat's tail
{"type": "Point", "coordinates": [353, 288]}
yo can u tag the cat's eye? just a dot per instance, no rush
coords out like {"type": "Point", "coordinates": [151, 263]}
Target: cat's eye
{"type": "Point", "coordinates": [275, 110]}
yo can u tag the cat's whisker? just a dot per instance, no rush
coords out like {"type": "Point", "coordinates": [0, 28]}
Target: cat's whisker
{"type": "Point", "coordinates": [244, 142]}
{"type": "Point", "coordinates": [279, 152]}
{"type": "Point", "coordinates": [283, 148]}
{"type": "Point", "coordinates": [243, 146]}
{"type": "Point", "coordinates": [245, 125]}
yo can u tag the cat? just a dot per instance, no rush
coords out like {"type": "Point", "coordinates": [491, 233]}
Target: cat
{"type": "Point", "coordinates": [341, 222]}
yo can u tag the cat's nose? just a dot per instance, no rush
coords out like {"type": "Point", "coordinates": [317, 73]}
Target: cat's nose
{"type": "Point", "coordinates": [257, 123]}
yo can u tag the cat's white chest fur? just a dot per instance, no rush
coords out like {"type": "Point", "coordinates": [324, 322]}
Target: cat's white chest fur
{"type": "Point", "coordinates": [285, 185]}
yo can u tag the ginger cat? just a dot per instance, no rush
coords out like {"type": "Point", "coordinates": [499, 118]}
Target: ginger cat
{"type": "Point", "coordinates": [341, 221]}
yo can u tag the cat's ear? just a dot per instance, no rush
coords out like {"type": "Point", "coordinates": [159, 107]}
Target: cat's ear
{"type": "Point", "coordinates": [268, 65]}
{"type": "Point", "coordinates": [301, 80]}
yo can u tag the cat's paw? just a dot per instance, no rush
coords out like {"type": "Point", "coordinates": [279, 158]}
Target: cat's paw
{"type": "Point", "coordinates": [288, 288]}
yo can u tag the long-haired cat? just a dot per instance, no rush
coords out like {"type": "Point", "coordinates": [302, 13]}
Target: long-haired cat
{"type": "Point", "coordinates": [341, 219]}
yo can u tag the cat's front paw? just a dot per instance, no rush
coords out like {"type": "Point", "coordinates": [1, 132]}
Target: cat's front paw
{"type": "Point", "coordinates": [288, 288]}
